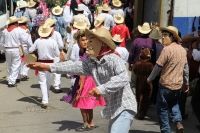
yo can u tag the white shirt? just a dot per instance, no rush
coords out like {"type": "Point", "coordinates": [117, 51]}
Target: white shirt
{"type": "Point", "coordinates": [47, 49]}
{"type": "Point", "coordinates": [75, 53]}
{"type": "Point", "coordinates": [86, 9]}
{"type": "Point", "coordinates": [109, 21]}
{"type": "Point", "coordinates": [116, 11]}
{"type": "Point", "coordinates": [196, 56]}
{"type": "Point", "coordinates": [81, 16]}
{"type": "Point", "coordinates": [123, 52]}
{"type": "Point", "coordinates": [57, 37]}
{"type": "Point", "coordinates": [67, 15]}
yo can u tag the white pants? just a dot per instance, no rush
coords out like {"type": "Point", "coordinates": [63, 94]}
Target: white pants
{"type": "Point", "coordinates": [24, 69]}
{"type": "Point", "coordinates": [13, 62]}
{"type": "Point", "coordinates": [45, 84]}
{"type": "Point", "coordinates": [57, 77]}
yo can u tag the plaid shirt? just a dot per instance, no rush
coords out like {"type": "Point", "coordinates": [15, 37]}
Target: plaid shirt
{"type": "Point", "coordinates": [111, 78]}
{"type": "Point", "coordinates": [38, 17]}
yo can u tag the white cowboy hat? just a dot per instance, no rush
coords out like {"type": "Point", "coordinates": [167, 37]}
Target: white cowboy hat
{"type": "Point", "coordinates": [23, 20]}
{"type": "Point", "coordinates": [21, 4]}
{"type": "Point", "coordinates": [80, 24]}
{"type": "Point", "coordinates": [106, 7]}
{"type": "Point", "coordinates": [102, 34]}
{"type": "Point", "coordinates": [98, 21]}
{"type": "Point", "coordinates": [12, 19]}
{"type": "Point", "coordinates": [80, 8]}
{"type": "Point", "coordinates": [117, 38]}
{"type": "Point", "coordinates": [50, 21]}
{"type": "Point", "coordinates": [172, 30]}
{"type": "Point", "coordinates": [117, 3]}
{"type": "Point", "coordinates": [45, 30]}
{"type": "Point", "coordinates": [31, 3]}
{"type": "Point", "coordinates": [57, 10]}
{"type": "Point", "coordinates": [118, 18]}
{"type": "Point", "coordinates": [155, 34]}
{"type": "Point", "coordinates": [145, 29]}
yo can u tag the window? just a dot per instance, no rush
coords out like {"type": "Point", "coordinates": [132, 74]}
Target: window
{"type": "Point", "coordinates": [2, 7]}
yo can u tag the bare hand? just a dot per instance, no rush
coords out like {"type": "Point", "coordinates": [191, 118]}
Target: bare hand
{"type": "Point", "coordinates": [185, 88]}
{"type": "Point", "coordinates": [38, 66]}
{"type": "Point", "coordinates": [62, 56]}
{"type": "Point", "coordinates": [94, 92]}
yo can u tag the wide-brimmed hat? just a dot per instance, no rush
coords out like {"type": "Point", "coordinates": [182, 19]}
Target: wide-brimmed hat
{"type": "Point", "coordinates": [118, 18]}
{"type": "Point", "coordinates": [188, 38]}
{"type": "Point", "coordinates": [117, 38]}
{"type": "Point", "coordinates": [98, 21]}
{"type": "Point", "coordinates": [172, 30]}
{"type": "Point", "coordinates": [102, 34]}
{"type": "Point", "coordinates": [106, 7]}
{"type": "Point", "coordinates": [23, 20]}
{"type": "Point", "coordinates": [50, 21]}
{"type": "Point", "coordinates": [145, 28]}
{"type": "Point", "coordinates": [80, 24]}
{"type": "Point", "coordinates": [12, 19]}
{"type": "Point", "coordinates": [31, 3]}
{"type": "Point", "coordinates": [21, 4]}
{"type": "Point", "coordinates": [57, 10]}
{"type": "Point", "coordinates": [117, 3]}
{"type": "Point", "coordinates": [80, 8]}
{"type": "Point", "coordinates": [45, 30]}
{"type": "Point", "coordinates": [155, 34]}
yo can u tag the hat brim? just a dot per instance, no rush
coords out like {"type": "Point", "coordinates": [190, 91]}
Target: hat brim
{"type": "Point", "coordinates": [117, 5]}
{"type": "Point", "coordinates": [28, 5]}
{"type": "Point", "coordinates": [188, 38]}
{"type": "Point", "coordinates": [171, 31]}
{"type": "Point", "coordinates": [20, 22]}
{"type": "Point", "coordinates": [143, 31]}
{"type": "Point", "coordinates": [119, 21]}
{"type": "Point", "coordinates": [106, 9]}
{"type": "Point", "coordinates": [155, 37]}
{"type": "Point", "coordinates": [80, 27]}
{"type": "Point", "coordinates": [104, 39]}
{"type": "Point", "coordinates": [59, 13]}
{"type": "Point", "coordinates": [14, 21]}
{"type": "Point", "coordinates": [44, 34]}
{"type": "Point", "coordinates": [117, 40]}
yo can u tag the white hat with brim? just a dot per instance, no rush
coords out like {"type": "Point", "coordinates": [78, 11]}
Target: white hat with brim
{"type": "Point", "coordinates": [23, 20]}
{"type": "Point", "coordinates": [102, 34]}
{"type": "Point", "coordinates": [98, 21]}
{"type": "Point", "coordinates": [106, 7]}
{"type": "Point", "coordinates": [118, 19]}
{"type": "Point", "coordinates": [144, 29]}
{"type": "Point", "coordinates": [80, 24]}
{"type": "Point", "coordinates": [45, 30]}
{"type": "Point", "coordinates": [21, 4]}
{"type": "Point", "coordinates": [12, 19]}
{"type": "Point", "coordinates": [31, 3]}
{"type": "Point", "coordinates": [50, 22]}
{"type": "Point", "coordinates": [117, 38]}
{"type": "Point", "coordinates": [155, 34]}
{"type": "Point", "coordinates": [117, 3]}
{"type": "Point", "coordinates": [80, 8]}
{"type": "Point", "coordinates": [172, 30]}
{"type": "Point", "coordinates": [57, 10]}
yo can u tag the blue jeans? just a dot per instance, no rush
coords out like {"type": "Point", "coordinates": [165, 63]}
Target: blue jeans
{"type": "Point", "coordinates": [168, 100]}
{"type": "Point", "coordinates": [122, 123]}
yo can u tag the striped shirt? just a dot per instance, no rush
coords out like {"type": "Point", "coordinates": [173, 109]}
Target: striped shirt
{"type": "Point", "coordinates": [172, 60]}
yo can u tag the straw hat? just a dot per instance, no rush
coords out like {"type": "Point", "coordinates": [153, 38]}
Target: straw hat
{"type": "Point", "coordinates": [188, 38]}
{"type": "Point", "coordinates": [12, 19]}
{"type": "Point", "coordinates": [155, 34]}
{"type": "Point", "coordinates": [117, 38]}
{"type": "Point", "coordinates": [106, 7]}
{"type": "Point", "coordinates": [31, 3]}
{"type": "Point", "coordinates": [145, 29]}
{"type": "Point", "coordinates": [50, 21]}
{"type": "Point", "coordinates": [98, 21]}
{"type": "Point", "coordinates": [118, 18]}
{"type": "Point", "coordinates": [172, 30]}
{"type": "Point", "coordinates": [117, 3]}
{"type": "Point", "coordinates": [80, 8]}
{"type": "Point", "coordinates": [102, 34]}
{"type": "Point", "coordinates": [21, 4]}
{"type": "Point", "coordinates": [80, 24]}
{"type": "Point", "coordinates": [45, 30]}
{"type": "Point", "coordinates": [23, 20]}
{"type": "Point", "coordinates": [57, 10]}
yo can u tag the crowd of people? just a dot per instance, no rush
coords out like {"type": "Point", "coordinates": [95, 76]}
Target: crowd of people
{"type": "Point", "coordinates": [86, 40]}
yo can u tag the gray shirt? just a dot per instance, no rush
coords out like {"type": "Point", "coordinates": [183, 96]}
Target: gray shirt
{"type": "Point", "coordinates": [111, 78]}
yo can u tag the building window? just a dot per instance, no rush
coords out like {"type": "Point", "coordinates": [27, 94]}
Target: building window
{"type": "Point", "coordinates": [2, 7]}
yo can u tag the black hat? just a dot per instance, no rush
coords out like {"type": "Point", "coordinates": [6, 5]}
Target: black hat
{"type": "Point", "coordinates": [92, 8]}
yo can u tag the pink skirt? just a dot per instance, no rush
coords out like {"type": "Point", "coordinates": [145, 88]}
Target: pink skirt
{"type": "Point", "coordinates": [88, 102]}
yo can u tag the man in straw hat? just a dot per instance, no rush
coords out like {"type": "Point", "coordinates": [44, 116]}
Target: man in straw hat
{"type": "Point", "coordinates": [11, 39]}
{"type": "Point", "coordinates": [31, 9]}
{"type": "Point", "coordinates": [110, 76]}
{"type": "Point", "coordinates": [117, 8]}
{"type": "Point", "coordinates": [99, 22]}
{"type": "Point", "coordinates": [21, 9]}
{"type": "Point", "coordinates": [109, 21]}
{"type": "Point", "coordinates": [121, 29]}
{"type": "Point", "coordinates": [142, 42]}
{"type": "Point", "coordinates": [47, 52]}
{"type": "Point", "coordinates": [172, 63]}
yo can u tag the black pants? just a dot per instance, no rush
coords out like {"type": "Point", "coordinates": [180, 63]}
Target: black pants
{"type": "Point", "coordinates": [182, 102]}
{"type": "Point", "coordinates": [196, 100]}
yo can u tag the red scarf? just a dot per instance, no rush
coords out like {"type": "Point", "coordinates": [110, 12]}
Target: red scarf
{"type": "Point", "coordinates": [107, 51]}
{"type": "Point", "coordinates": [23, 27]}
{"type": "Point", "coordinates": [12, 27]}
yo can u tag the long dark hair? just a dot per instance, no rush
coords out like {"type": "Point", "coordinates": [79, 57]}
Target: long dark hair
{"type": "Point", "coordinates": [73, 5]}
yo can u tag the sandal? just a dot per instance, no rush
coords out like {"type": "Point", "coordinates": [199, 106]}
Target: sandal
{"type": "Point", "coordinates": [83, 128]}
{"type": "Point", "coordinates": [93, 127]}
{"type": "Point", "coordinates": [44, 106]}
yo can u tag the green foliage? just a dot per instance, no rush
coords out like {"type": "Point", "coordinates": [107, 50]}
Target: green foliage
{"type": "Point", "coordinates": [53, 3]}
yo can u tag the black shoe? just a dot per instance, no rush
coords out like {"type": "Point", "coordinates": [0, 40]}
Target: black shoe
{"type": "Point", "coordinates": [12, 85]}
{"type": "Point", "coordinates": [58, 91]}
{"type": "Point", "coordinates": [185, 116]}
{"type": "Point", "coordinates": [17, 80]}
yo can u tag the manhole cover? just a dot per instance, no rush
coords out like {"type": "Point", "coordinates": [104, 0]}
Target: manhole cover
{"type": "Point", "coordinates": [38, 109]}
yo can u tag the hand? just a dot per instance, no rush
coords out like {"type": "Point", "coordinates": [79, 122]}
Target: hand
{"type": "Point", "coordinates": [38, 66]}
{"type": "Point", "coordinates": [130, 67]}
{"type": "Point", "coordinates": [150, 84]}
{"type": "Point", "coordinates": [62, 57]}
{"type": "Point", "coordinates": [94, 92]}
{"type": "Point", "coordinates": [185, 88]}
